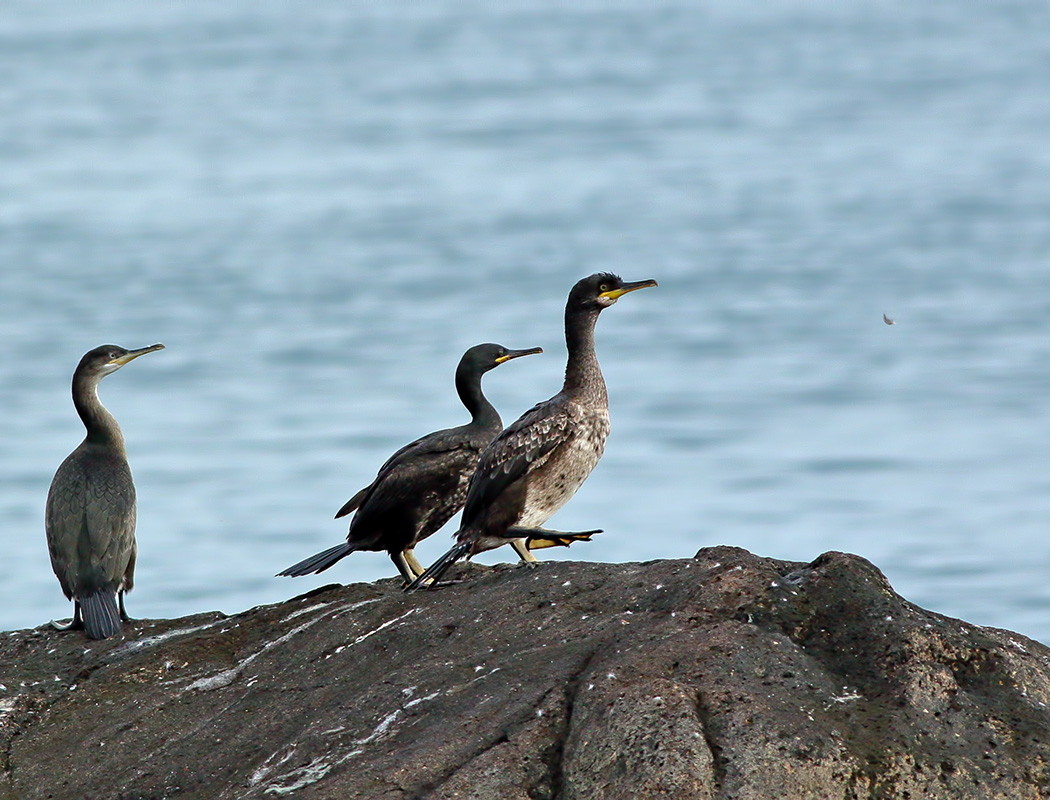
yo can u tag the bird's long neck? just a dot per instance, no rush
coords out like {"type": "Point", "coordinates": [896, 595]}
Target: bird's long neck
{"type": "Point", "coordinates": [583, 376]}
{"type": "Point", "coordinates": [482, 412]}
{"type": "Point", "coordinates": [102, 429]}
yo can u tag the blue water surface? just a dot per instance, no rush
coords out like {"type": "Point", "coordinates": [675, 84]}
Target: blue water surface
{"type": "Point", "coordinates": [317, 207]}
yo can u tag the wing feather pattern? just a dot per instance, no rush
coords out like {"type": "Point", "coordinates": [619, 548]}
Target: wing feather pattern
{"type": "Point", "coordinates": [416, 486]}
{"type": "Point", "coordinates": [90, 521]}
{"type": "Point", "coordinates": [524, 446]}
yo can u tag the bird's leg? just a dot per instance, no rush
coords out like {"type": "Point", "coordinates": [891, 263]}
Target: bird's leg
{"type": "Point", "coordinates": [437, 569]}
{"type": "Point", "coordinates": [123, 611]}
{"type": "Point", "coordinates": [75, 624]}
{"type": "Point", "coordinates": [404, 566]}
{"type": "Point", "coordinates": [413, 563]}
{"type": "Point", "coordinates": [523, 551]}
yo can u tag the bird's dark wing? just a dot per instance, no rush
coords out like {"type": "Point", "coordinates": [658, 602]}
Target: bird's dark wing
{"type": "Point", "coordinates": [110, 517]}
{"type": "Point", "coordinates": [525, 445]}
{"type": "Point", "coordinates": [430, 484]}
{"type": "Point", "coordinates": [422, 448]}
{"type": "Point", "coordinates": [64, 520]}
{"type": "Point", "coordinates": [90, 522]}
{"type": "Point", "coordinates": [354, 502]}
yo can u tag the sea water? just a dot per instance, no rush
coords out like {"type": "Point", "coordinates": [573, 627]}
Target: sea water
{"type": "Point", "coordinates": [319, 207]}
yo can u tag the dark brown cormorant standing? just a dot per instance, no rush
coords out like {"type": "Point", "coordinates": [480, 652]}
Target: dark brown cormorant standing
{"type": "Point", "coordinates": [534, 467]}
{"type": "Point", "coordinates": [90, 516]}
{"type": "Point", "coordinates": [424, 483]}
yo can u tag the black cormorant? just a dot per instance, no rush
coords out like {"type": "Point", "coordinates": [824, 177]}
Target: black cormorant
{"type": "Point", "coordinates": [424, 483]}
{"type": "Point", "coordinates": [534, 467]}
{"type": "Point", "coordinates": [90, 516]}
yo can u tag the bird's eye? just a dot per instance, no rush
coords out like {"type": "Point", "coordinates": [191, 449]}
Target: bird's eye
{"type": "Point", "coordinates": [604, 287]}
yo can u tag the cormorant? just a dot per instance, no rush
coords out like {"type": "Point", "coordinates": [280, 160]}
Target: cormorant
{"type": "Point", "coordinates": [534, 467]}
{"type": "Point", "coordinates": [424, 483]}
{"type": "Point", "coordinates": [90, 515]}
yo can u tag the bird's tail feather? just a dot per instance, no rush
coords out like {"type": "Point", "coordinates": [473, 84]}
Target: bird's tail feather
{"type": "Point", "coordinates": [100, 614]}
{"type": "Point", "coordinates": [437, 569]}
{"type": "Point", "coordinates": [319, 562]}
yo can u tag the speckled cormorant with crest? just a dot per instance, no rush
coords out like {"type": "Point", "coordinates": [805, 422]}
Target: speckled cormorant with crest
{"type": "Point", "coordinates": [424, 483]}
{"type": "Point", "coordinates": [90, 514]}
{"type": "Point", "coordinates": [536, 465]}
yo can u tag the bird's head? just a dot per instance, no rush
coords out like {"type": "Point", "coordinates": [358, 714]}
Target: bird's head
{"type": "Point", "coordinates": [601, 290]}
{"type": "Point", "coordinates": [483, 357]}
{"type": "Point", "coordinates": [110, 357]}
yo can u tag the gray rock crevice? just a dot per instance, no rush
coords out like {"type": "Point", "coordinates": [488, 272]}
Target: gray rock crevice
{"type": "Point", "coordinates": [448, 782]}
{"type": "Point", "coordinates": [718, 767]}
{"type": "Point", "coordinates": [555, 757]}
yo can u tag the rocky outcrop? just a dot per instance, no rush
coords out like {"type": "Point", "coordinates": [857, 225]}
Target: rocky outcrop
{"type": "Point", "coordinates": [723, 676]}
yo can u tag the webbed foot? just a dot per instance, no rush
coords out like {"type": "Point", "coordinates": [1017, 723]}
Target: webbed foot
{"type": "Point", "coordinates": [540, 538]}
{"type": "Point", "coordinates": [73, 625]}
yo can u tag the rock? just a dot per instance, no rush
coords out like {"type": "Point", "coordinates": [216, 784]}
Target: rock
{"type": "Point", "coordinates": [723, 676]}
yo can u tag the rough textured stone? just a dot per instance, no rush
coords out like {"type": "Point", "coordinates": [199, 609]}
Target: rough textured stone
{"type": "Point", "coordinates": [722, 676]}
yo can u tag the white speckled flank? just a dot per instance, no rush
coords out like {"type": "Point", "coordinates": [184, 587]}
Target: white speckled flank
{"type": "Point", "coordinates": [554, 482]}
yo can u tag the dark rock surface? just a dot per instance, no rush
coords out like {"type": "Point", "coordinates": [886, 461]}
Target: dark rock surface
{"type": "Point", "coordinates": [722, 676]}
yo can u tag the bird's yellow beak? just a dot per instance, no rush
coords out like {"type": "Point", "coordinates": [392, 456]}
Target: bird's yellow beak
{"type": "Point", "coordinates": [518, 354]}
{"type": "Point", "coordinates": [616, 294]}
{"type": "Point", "coordinates": [131, 355]}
